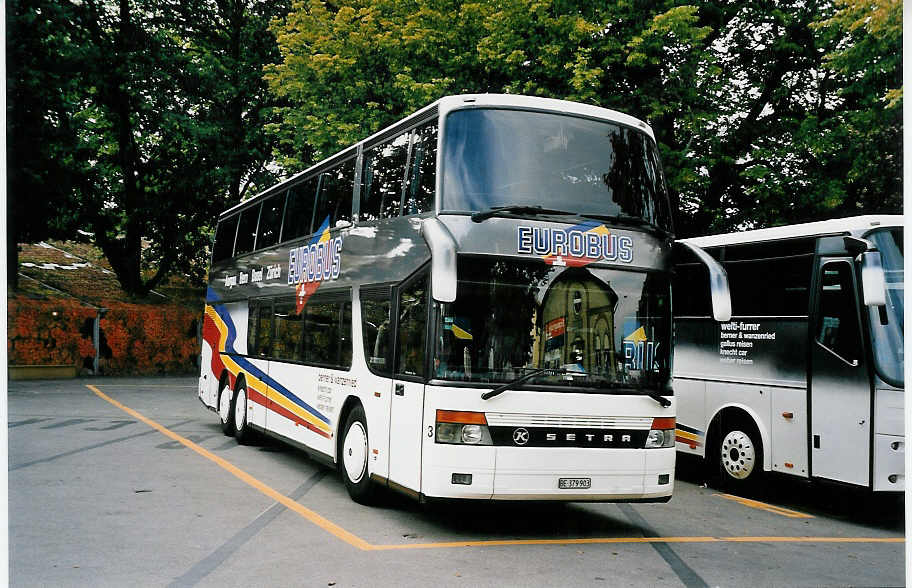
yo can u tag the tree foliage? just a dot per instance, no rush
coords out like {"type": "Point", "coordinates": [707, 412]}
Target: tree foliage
{"type": "Point", "coordinates": [155, 123]}
{"type": "Point", "coordinates": [765, 113]}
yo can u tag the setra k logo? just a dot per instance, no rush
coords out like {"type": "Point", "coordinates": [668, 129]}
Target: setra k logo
{"type": "Point", "coordinates": [520, 436]}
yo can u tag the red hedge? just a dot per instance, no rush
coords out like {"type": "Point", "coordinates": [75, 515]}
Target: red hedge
{"type": "Point", "coordinates": [136, 339]}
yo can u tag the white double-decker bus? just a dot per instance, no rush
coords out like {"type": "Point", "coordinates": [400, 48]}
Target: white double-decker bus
{"type": "Point", "coordinates": [806, 378]}
{"type": "Point", "coordinates": [471, 303]}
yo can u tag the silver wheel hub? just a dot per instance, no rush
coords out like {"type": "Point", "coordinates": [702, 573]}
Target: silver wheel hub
{"type": "Point", "coordinates": [240, 410]}
{"type": "Point", "coordinates": [738, 455]}
{"type": "Point", "coordinates": [225, 404]}
{"type": "Point", "coordinates": [354, 452]}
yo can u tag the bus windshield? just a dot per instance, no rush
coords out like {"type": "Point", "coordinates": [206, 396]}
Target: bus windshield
{"type": "Point", "coordinates": [603, 329]}
{"type": "Point", "coordinates": [498, 157]}
{"type": "Point", "coordinates": [887, 322]}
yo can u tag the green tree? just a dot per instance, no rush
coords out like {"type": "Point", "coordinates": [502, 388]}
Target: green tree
{"type": "Point", "coordinates": [158, 124]}
{"type": "Point", "coordinates": [44, 152]}
{"type": "Point", "coordinates": [756, 125]}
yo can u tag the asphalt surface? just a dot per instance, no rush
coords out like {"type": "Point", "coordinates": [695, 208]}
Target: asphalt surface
{"type": "Point", "coordinates": [116, 482]}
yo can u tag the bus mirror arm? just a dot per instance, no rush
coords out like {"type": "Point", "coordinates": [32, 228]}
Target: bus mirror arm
{"type": "Point", "coordinates": [873, 280]}
{"type": "Point", "coordinates": [718, 282]}
{"type": "Point", "coordinates": [443, 259]}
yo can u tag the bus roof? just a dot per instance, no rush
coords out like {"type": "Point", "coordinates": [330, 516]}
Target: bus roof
{"type": "Point", "coordinates": [853, 225]}
{"type": "Point", "coordinates": [447, 104]}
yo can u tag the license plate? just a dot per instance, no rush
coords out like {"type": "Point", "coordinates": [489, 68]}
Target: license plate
{"type": "Point", "coordinates": [574, 483]}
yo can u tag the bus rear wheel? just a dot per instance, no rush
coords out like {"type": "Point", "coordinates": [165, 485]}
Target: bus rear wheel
{"type": "Point", "coordinates": [353, 458]}
{"type": "Point", "coordinates": [242, 431]}
{"type": "Point", "coordinates": [226, 409]}
{"type": "Point", "coordinates": [739, 454]}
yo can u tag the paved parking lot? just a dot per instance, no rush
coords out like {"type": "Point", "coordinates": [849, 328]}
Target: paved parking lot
{"type": "Point", "coordinates": [117, 482]}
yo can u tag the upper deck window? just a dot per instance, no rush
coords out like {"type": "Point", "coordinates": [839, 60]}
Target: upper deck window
{"type": "Point", "coordinates": [495, 157]}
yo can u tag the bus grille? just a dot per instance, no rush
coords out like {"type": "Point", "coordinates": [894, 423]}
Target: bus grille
{"type": "Point", "coordinates": [502, 419]}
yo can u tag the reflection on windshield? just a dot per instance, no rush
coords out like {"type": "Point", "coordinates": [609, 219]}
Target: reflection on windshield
{"type": "Point", "coordinates": [887, 321]}
{"type": "Point", "coordinates": [509, 157]}
{"type": "Point", "coordinates": [607, 328]}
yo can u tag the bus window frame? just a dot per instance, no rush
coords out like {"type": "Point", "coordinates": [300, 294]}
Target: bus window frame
{"type": "Point", "coordinates": [441, 162]}
{"type": "Point", "coordinates": [421, 272]}
{"type": "Point", "coordinates": [378, 293]}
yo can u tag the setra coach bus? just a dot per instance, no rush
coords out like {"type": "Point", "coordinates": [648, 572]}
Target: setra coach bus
{"type": "Point", "coordinates": [471, 303]}
{"type": "Point", "coordinates": [806, 379]}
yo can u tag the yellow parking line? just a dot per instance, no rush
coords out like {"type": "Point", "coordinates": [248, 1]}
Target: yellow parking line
{"type": "Point", "coordinates": [359, 543]}
{"type": "Point", "coordinates": [305, 512]}
{"type": "Point", "coordinates": [794, 514]}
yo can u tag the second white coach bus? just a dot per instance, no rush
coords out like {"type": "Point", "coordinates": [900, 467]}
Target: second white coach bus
{"type": "Point", "coordinates": [807, 377]}
{"type": "Point", "coordinates": [472, 303]}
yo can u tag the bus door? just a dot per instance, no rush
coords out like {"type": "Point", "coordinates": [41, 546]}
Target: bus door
{"type": "Point", "coordinates": [407, 405]}
{"type": "Point", "coordinates": [840, 387]}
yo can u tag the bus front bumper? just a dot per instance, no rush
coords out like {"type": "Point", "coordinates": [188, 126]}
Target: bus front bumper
{"type": "Point", "coordinates": [572, 475]}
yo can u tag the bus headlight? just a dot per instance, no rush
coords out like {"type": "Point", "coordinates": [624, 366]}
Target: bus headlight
{"type": "Point", "coordinates": [457, 427]}
{"type": "Point", "coordinates": [662, 433]}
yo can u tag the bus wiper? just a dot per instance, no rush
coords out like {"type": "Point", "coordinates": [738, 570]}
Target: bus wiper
{"type": "Point", "coordinates": [525, 378]}
{"type": "Point", "coordinates": [515, 209]}
{"type": "Point", "coordinates": [663, 402]}
{"type": "Point", "coordinates": [624, 219]}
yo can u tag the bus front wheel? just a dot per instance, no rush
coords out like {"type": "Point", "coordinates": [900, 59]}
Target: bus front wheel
{"type": "Point", "coordinates": [739, 454]}
{"type": "Point", "coordinates": [225, 412]}
{"type": "Point", "coordinates": [353, 462]}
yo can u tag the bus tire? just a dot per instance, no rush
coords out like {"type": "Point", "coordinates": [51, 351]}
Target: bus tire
{"type": "Point", "coordinates": [739, 454]}
{"type": "Point", "coordinates": [354, 455]}
{"type": "Point", "coordinates": [226, 409]}
{"type": "Point", "coordinates": [242, 431]}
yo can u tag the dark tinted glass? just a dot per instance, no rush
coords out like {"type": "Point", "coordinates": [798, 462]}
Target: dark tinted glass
{"type": "Point", "coordinates": [384, 171]}
{"type": "Point", "coordinates": [335, 200]}
{"type": "Point", "coordinates": [247, 229]}
{"type": "Point", "coordinates": [224, 239]}
{"type": "Point", "coordinates": [690, 290]}
{"type": "Point", "coordinates": [608, 329]}
{"type": "Point", "coordinates": [270, 221]}
{"type": "Point", "coordinates": [419, 194]}
{"type": "Point", "coordinates": [299, 210]}
{"type": "Point", "coordinates": [770, 287]}
{"type": "Point", "coordinates": [375, 327]}
{"type": "Point", "coordinates": [508, 157]}
{"type": "Point", "coordinates": [327, 334]}
{"type": "Point", "coordinates": [837, 326]}
{"type": "Point", "coordinates": [289, 329]}
{"type": "Point", "coordinates": [410, 344]}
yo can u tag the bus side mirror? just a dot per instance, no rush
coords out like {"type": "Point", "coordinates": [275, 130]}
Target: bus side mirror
{"type": "Point", "coordinates": [873, 281]}
{"type": "Point", "coordinates": [718, 283]}
{"type": "Point", "coordinates": [443, 259]}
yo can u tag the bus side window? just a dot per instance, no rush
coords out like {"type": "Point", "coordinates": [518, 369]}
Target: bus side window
{"type": "Point", "coordinates": [299, 210]}
{"type": "Point", "coordinates": [384, 172]}
{"type": "Point", "coordinates": [224, 239]}
{"type": "Point", "coordinates": [327, 334]}
{"type": "Point", "coordinates": [375, 332]}
{"type": "Point", "coordinates": [412, 325]}
{"type": "Point", "coordinates": [247, 230]}
{"type": "Point", "coordinates": [422, 182]}
{"type": "Point", "coordinates": [335, 198]}
{"type": "Point", "coordinates": [263, 333]}
{"type": "Point", "coordinates": [270, 221]}
{"type": "Point", "coordinates": [690, 290]}
{"type": "Point", "coordinates": [837, 323]}
{"type": "Point", "coordinates": [289, 330]}
{"type": "Point", "coordinates": [776, 286]}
